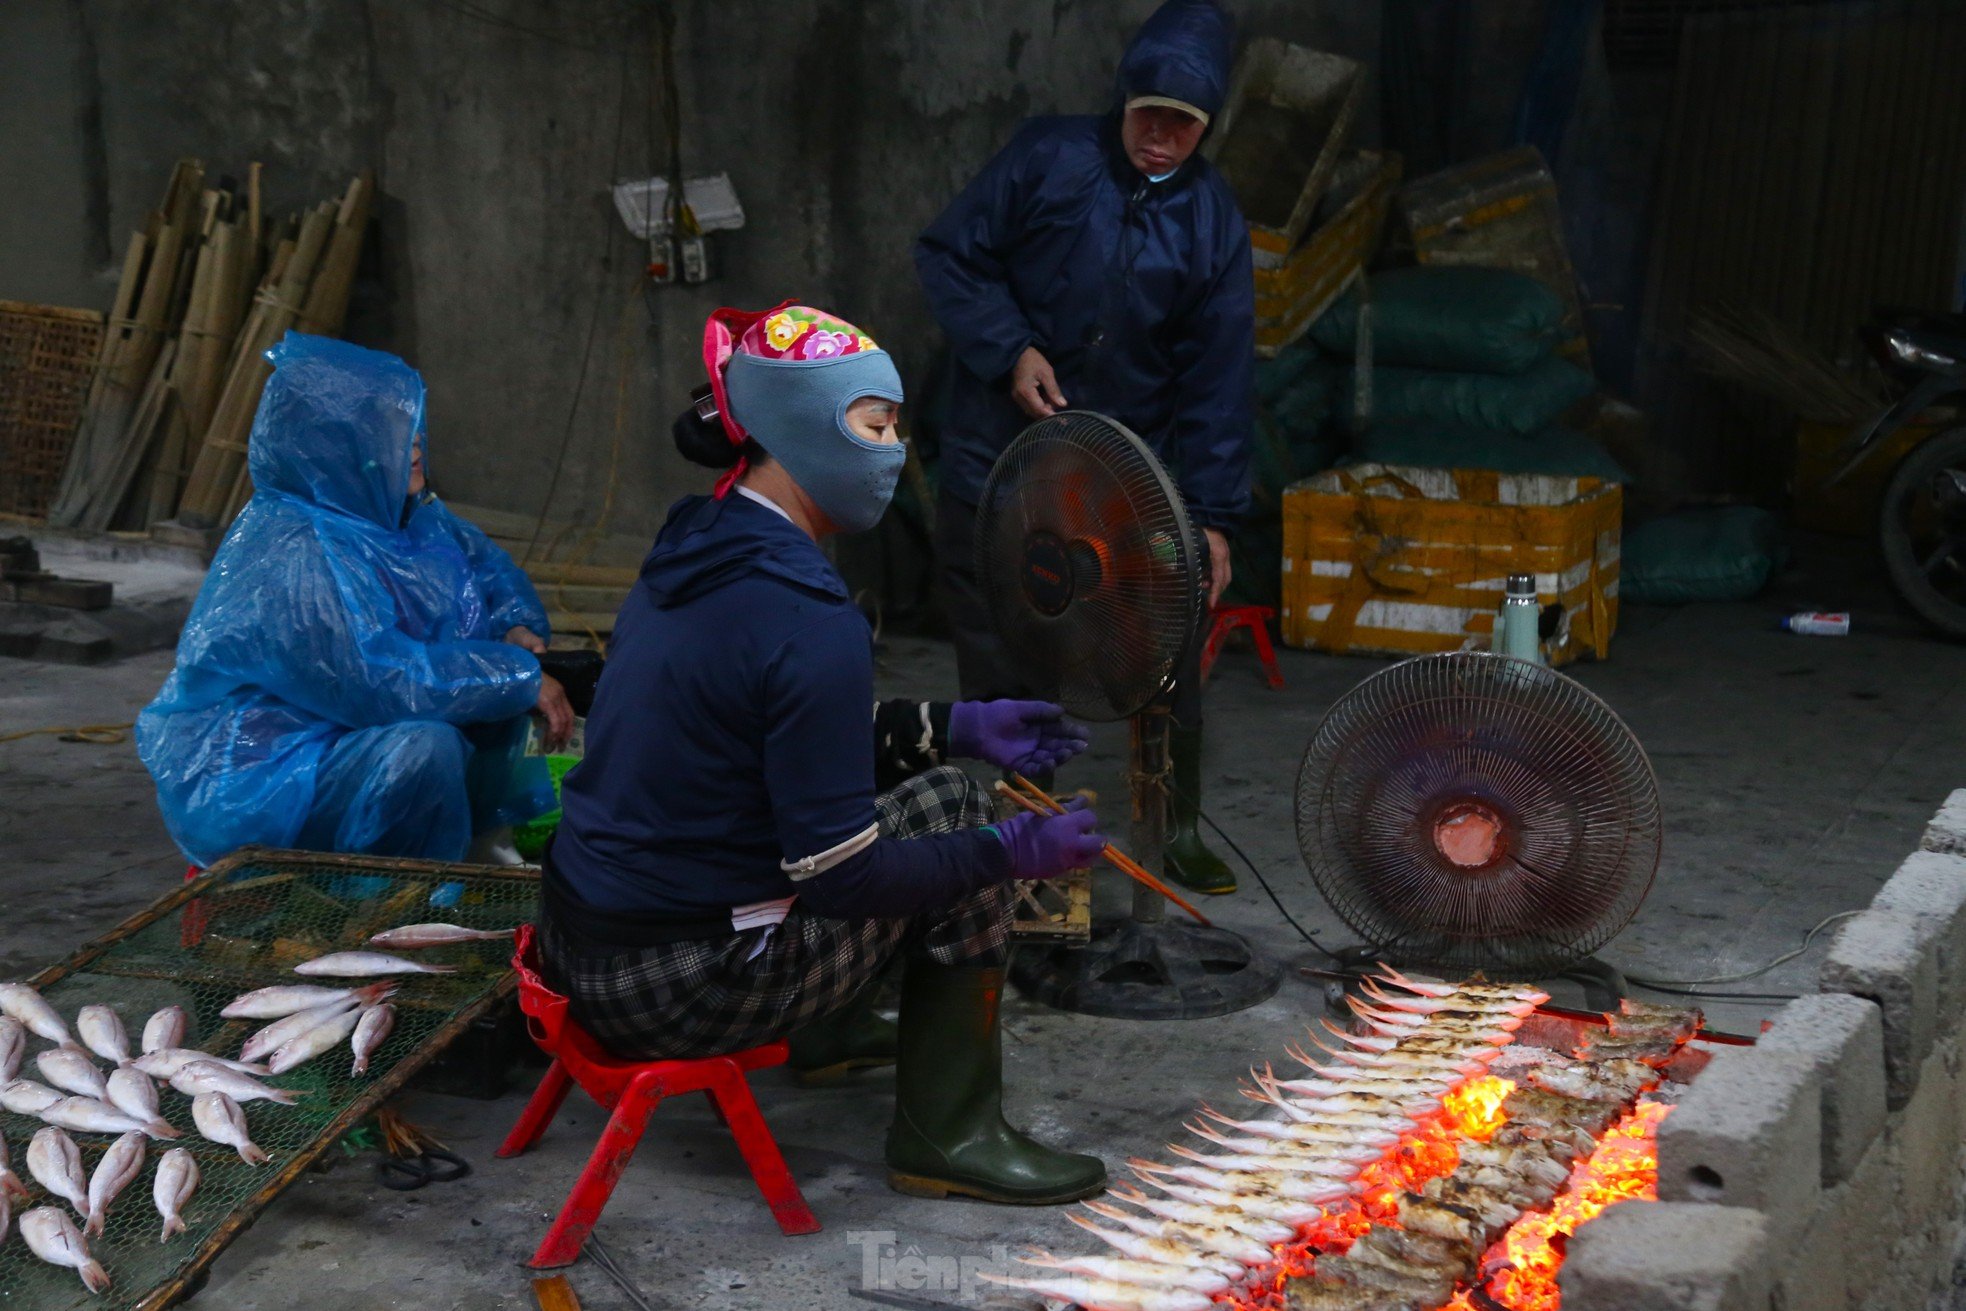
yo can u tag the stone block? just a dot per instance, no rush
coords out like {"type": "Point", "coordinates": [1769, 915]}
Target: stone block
{"type": "Point", "coordinates": [1669, 1256]}
{"type": "Point", "coordinates": [1843, 1037]}
{"type": "Point", "coordinates": [1748, 1133]}
{"type": "Point", "coordinates": [1932, 886]}
{"type": "Point", "coordinates": [1947, 831]}
{"type": "Point", "coordinates": [1867, 1219]}
{"type": "Point", "coordinates": [1891, 958]}
{"type": "Point", "coordinates": [1928, 1148]}
{"type": "Point", "coordinates": [1814, 1276]}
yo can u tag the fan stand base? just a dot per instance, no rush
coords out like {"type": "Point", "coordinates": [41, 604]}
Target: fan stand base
{"type": "Point", "coordinates": [1171, 970]}
{"type": "Point", "coordinates": [1604, 986]}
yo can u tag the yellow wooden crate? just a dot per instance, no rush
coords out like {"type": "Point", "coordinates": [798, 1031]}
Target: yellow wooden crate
{"type": "Point", "coordinates": [1390, 560]}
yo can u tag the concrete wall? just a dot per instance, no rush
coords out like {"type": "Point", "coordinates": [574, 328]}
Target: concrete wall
{"type": "Point", "coordinates": [1823, 1169]}
{"type": "Point", "coordinates": [496, 126]}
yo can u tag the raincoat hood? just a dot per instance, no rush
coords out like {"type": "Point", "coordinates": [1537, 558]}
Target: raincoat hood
{"type": "Point", "coordinates": [708, 543]}
{"type": "Point", "coordinates": [334, 427]}
{"type": "Point", "coordinates": [1184, 52]}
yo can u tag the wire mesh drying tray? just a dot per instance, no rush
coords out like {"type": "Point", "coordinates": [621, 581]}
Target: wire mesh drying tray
{"type": "Point", "coordinates": [244, 924]}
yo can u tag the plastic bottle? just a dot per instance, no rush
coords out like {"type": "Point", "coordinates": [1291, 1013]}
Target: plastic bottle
{"type": "Point", "coordinates": [1516, 627]}
{"type": "Point", "coordinates": [1817, 623]}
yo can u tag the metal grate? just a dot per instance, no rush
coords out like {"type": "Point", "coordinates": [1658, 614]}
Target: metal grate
{"type": "Point", "coordinates": [47, 357]}
{"type": "Point", "coordinates": [243, 925]}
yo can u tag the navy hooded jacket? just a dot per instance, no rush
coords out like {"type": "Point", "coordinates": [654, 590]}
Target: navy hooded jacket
{"type": "Point", "coordinates": [730, 750]}
{"type": "Point", "coordinates": [1139, 293]}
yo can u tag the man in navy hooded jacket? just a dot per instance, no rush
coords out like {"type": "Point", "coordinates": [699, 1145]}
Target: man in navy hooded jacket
{"type": "Point", "coordinates": [1098, 264]}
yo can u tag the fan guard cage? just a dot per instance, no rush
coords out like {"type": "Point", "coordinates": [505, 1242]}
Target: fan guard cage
{"type": "Point", "coordinates": [1088, 564]}
{"type": "Point", "coordinates": [1472, 811]}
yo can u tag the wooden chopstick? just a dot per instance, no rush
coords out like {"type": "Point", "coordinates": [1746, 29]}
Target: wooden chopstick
{"type": "Point", "coordinates": [1040, 802]}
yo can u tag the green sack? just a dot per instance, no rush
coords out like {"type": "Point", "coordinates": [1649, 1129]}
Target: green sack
{"type": "Point", "coordinates": [1556, 451]}
{"type": "Point", "coordinates": [1714, 553]}
{"type": "Point", "coordinates": [1437, 316]}
{"type": "Point", "coordinates": [1518, 403]}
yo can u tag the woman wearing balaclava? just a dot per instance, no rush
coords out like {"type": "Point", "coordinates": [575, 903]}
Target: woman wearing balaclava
{"type": "Point", "coordinates": [726, 873]}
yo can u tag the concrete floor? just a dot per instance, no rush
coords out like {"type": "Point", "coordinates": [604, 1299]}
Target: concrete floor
{"type": "Point", "coordinates": [1795, 773]}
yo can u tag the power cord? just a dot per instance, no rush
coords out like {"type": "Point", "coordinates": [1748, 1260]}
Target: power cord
{"type": "Point", "coordinates": [1696, 987]}
{"type": "Point", "coordinates": [1243, 856]}
{"type": "Point", "coordinates": [1679, 987]}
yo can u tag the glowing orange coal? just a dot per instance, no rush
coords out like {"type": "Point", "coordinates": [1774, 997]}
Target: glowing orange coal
{"type": "Point", "coordinates": [1428, 1151]}
{"type": "Point", "coordinates": [1624, 1168]}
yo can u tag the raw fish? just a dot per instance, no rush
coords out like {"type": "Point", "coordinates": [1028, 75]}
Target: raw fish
{"type": "Point", "coordinates": [10, 1184]}
{"type": "Point", "coordinates": [68, 1068]}
{"type": "Point", "coordinates": [26, 1005]}
{"type": "Point", "coordinates": [370, 1034]}
{"type": "Point", "coordinates": [167, 1028]}
{"type": "Point", "coordinates": [53, 1159]}
{"type": "Point", "coordinates": [209, 1076]}
{"type": "Point", "coordinates": [305, 1047]}
{"type": "Point", "coordinates": [167, 1061]}
{"type": "Point", "coordinates": [291, 998]}
{"type": "Point", "coordinates": [13, 1046]}
{"type": "Point", "coordinates": [120, 1164]}
{"type": "Point", "coordinates": [412, 936]}
{"type": "Point", "coordinates": [26, 1097]}
{"type": "Point", "coordinates": [103, 1033]}
{"type": "Point", "coordinates": [87, 1115]}
{"type": "Point", "coordinates": [177, 1179]}
{"type": "Point", "coordinates": [132, 1093]}
{"type": "Point", "coordinates": [54, 1238]}
{"type": "Point", "coordinates": [363, 964]}
{"type": "Point", "coordinates": [219, 1119]}
{"type": "Point", "coordinates": [270, 1039]}
{"type": "Point", "coordinates": [1104, 1295]}
{"type": "Point", "coordinates": [1145, 1274]}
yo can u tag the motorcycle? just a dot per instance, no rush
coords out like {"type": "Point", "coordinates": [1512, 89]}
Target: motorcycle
{"type": "Point", "coordinates": [1921, 522]}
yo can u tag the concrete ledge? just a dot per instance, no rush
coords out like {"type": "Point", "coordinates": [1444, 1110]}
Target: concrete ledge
{"type": "Point", "coordinates": [1669, 1256]}
{"type": "Point", "coordinates": [1749, 1133]}
{"type": "Point", "coordinates": [1932, 886]}
{"type": "Point", "coordinates": [1891, 958]}
{"type": "Point", "coordinates": [1843, 1038]}
{"type": "Point", "coordinates": [1947, 831]}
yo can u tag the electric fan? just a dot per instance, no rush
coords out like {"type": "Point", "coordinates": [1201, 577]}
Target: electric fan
{"type": "Point", "coordinates": [1092, 574]}
{"type": "Point", "coordinates": [1476, 812]}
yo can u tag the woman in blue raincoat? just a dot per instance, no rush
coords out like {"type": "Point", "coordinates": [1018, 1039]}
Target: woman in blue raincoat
{"type": "Point", "coordinates": [356, 673]}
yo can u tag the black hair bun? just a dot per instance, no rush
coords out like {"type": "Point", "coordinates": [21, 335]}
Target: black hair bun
{"type": "Point", "coordinates": [703, 441]}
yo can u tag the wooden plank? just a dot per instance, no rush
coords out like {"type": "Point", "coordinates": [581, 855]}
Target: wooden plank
{"type": "Point", "coordinates": [554, 1294]}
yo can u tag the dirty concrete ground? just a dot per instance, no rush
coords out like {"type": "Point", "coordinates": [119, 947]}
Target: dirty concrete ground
{"type": "Point", "coordinates": [1795, 774]}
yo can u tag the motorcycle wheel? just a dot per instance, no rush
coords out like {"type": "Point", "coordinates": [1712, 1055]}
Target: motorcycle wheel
{"type": "Point", "coordinates": [1922, 530]}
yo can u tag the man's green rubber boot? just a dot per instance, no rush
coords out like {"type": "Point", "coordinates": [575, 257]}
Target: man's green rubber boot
{"type": "Point", "coordinates": [829, 1049]}
{"type": "Point", "coordinates": [949, 1134]}
{"type": "Point", "coordinates": [1188, 860]}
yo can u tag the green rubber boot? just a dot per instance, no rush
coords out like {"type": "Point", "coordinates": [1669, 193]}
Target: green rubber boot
{"type": "Point", "coordinates": [829, 1049]}
{"type": "Point", "coordinates": [1187, 859]}
{"type": "Point", "coordinates": [949, 1134]}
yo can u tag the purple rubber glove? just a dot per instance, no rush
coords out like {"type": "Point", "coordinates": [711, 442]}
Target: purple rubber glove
{"type": "Point", "coordinates": [1027, 736]}
{"type": "Point", "coordinates": [1045, 846]}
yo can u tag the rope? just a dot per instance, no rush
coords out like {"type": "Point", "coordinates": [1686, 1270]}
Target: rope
{"type": "Point", "coordinates": [102, 735]}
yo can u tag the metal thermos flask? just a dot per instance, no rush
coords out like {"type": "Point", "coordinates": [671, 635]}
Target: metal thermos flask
{"type": "Point", "coordinates": [1515, 627]}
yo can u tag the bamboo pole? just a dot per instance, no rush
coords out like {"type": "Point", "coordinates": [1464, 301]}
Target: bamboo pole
{"type": "Point", "coordinates": [215, 478]}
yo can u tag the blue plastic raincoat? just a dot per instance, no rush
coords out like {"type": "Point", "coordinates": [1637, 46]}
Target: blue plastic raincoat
{"type": "Point", "coordinates": [341, 684]}
{"type": "Point", "coordinates": [1139, 293]}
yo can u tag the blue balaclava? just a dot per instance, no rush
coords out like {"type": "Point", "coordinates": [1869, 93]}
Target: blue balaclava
{"type": "Point", "coordinates": [791, 375]}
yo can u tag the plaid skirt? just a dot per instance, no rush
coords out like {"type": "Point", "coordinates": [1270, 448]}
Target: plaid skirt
{"type": "Point", "coordinates": [725, 994]}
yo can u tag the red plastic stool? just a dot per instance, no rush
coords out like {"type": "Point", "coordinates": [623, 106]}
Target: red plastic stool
{"type": "Point", "coordinates": [630, 1090]}
{"type": "Point", "coordinates": [1224, 619]}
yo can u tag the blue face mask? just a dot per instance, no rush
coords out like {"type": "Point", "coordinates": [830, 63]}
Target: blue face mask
{"type": "Point", "coordinates": [797, 411]}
